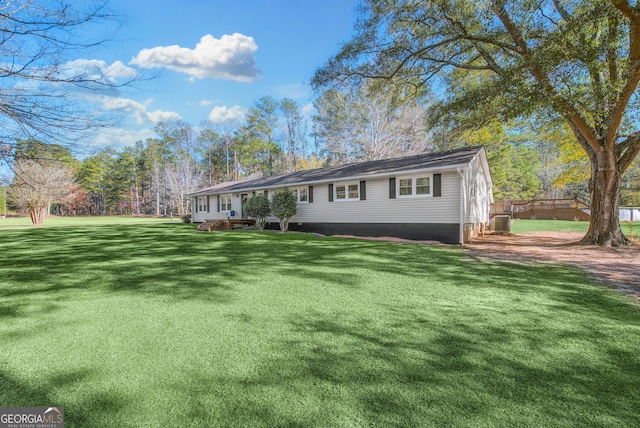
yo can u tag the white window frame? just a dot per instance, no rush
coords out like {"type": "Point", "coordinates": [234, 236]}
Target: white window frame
{"type": "Point", "coordinates": [202, 204]}
{"type": "Point", "coordinates": [226, 203]}
{"type": "Point", "coordinates": [347, 192]}
{"type": "Point", "coordinates": [298, 191]}
{"type": "Point", "coordinates": [414, 184]}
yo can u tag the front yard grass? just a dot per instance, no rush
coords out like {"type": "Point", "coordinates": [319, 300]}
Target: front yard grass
{"type": "Point", "coordinates": [159, 325]}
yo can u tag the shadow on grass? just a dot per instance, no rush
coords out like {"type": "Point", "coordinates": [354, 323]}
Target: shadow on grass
{"type": "Point", "coordinates": [344, 371]}
{"type": "Point", "coordinates": [424, 369]}
{"type": "Point", "coordinates": [473, 344]}
{"type": "Point", "coordinates": [178, 262]}
{"type": "Point", "coordinates": [92, 410]}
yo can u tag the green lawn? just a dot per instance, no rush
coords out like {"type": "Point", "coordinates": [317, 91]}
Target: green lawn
{"type": "Point", "coordinates": [524, 226]}
{"type": "Point", "coordinates": [54, 221]}
{"type": "Point", "coordinates": [162, 326]}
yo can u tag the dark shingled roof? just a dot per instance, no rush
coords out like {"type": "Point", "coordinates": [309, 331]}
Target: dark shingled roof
{"type": "Point", "coordinates": [359, 169]}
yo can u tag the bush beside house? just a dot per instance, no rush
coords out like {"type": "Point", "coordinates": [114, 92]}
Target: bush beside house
{"type": "Point", "coordinates": [259, 208]}
{"type": "Point", "coordinates": [283, 206]}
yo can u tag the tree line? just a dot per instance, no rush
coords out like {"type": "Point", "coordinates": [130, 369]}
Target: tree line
{"type": "Point", "coordinates": [528, 160]}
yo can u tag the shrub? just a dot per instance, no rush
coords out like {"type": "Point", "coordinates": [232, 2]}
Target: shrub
{"type": "Point", "coordinates": [283, 206]}
{"type": "Point", "coordinates": [259, 208]}
{"type": "Point", "coordinates": [186, 218]}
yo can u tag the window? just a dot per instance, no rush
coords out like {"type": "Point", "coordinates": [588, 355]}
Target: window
{"type": "Point", "coordinates": [347, 192]}
{"type": "Point", "coordinates": [414, 186]}
{"type": "Point", "coordinates": [423, 186]}
{"type": "Point", "coordinates": [406, 187]}
{"type": "Point", "coordinates": [225, 202]}
{"type": "Point", "coordinates": [202, 204]}
{"type": "Point", "coordinates": [301, 194]}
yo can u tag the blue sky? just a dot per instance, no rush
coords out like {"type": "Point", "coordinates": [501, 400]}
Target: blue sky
{"type": "Point", "coordinates": [214, 59]}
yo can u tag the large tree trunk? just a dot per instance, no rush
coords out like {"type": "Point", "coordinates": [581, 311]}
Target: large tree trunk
{"type": "Point", "coordinates": [604, 184]}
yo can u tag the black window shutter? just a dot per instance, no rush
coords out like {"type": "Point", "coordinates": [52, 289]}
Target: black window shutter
{"type": "Point", "coordinates": [330, 192]}
{"type": "Point", "coordinates": [363, 190]}
{"type": "Point", "coordinates": [208, 209]}
{"type": "Point", "coordinates": [310, 194]}
{"type": "Point", "coordinates": [392, 188]}
{"type": "Point", "coordinates": [218, 203]}
{"type": "Point", "coordinates": [196, 204]}
{"type": "Point", "coordinates": [437, 184]}
{"type": "Point", "coordinates": [266, 193]}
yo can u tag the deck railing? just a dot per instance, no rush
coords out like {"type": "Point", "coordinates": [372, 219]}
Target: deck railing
{"type": "Point", "coordinates": [562, 209]}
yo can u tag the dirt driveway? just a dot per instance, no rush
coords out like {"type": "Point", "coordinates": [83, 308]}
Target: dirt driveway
{"type": "Point", "coordinates": [617, 267]}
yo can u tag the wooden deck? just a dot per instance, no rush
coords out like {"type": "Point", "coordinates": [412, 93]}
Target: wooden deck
{"type": "Point", "coordinates": [230, 224]}
{"type": "Point", "coordinates": [544, 209]}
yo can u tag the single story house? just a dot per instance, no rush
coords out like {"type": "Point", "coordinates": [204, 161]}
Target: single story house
{"type": "Point", "coordinates": [442, 196]}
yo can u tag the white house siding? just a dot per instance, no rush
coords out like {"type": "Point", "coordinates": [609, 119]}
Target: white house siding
{"type": "Point", "coordinates": [477, 199]}
{"type": "Point", "coordinates": [379, 208]}
{"type": "Point", "coordinates": [213, 214]}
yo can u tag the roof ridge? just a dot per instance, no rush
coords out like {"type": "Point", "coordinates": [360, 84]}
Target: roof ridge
{"type": "Point", "coordinates": [429, 160]}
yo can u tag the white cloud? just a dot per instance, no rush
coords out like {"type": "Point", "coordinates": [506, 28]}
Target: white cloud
{"type": "Point", "coordinates": [308, 110]}
{"type": "Point", "coordinates": [230, 57]}
{"type": "Point", "coordinates": [224, 114]}
{"type": "Point", "coordinates": [97, 70]}
{"type": "Point", "coordinates": [120, 137]}
{"type": "Point", "coordinates": [205, 103]}
{"type": "Point", "coordinates": [125, 105]}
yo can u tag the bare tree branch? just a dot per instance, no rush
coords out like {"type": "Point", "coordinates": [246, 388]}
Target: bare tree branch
{"type": "Point", "coordinates": [38, 80]}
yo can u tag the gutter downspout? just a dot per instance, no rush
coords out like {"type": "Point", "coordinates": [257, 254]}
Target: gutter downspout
{"type": "Point", "coordinates": [462, 204]}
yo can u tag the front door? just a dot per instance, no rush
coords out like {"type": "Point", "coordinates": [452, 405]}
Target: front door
{"type": "Point", "coordinates": [243, 200]}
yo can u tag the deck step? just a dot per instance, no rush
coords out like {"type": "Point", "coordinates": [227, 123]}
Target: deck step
{"type": "Point", "coordinates": [209, 225]}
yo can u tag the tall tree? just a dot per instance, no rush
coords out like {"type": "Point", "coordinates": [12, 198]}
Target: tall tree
{"type": "Point", "coordinates": [295, 132]}
{"type": "Point", "coordinates": [257, 144]}
{"type": "Point", "coordinates": [155, 158]}
{"type": "Point", "coordinates": [515, 166]}
{"type": "Point", "coordinates": [579, 59]}
{"type": "Point", "coordinates": [37, 150]}
{"type": "Point", "coordinates": [3, 198]}
{"type": "Point", "coordinates": [363, 124]}
{"type": "Point", "coordinates": [214, 153]}
{"type": "Point", "coordinates": [182, 174]}
{"type": "Point", "coordinates": [94, 176]}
